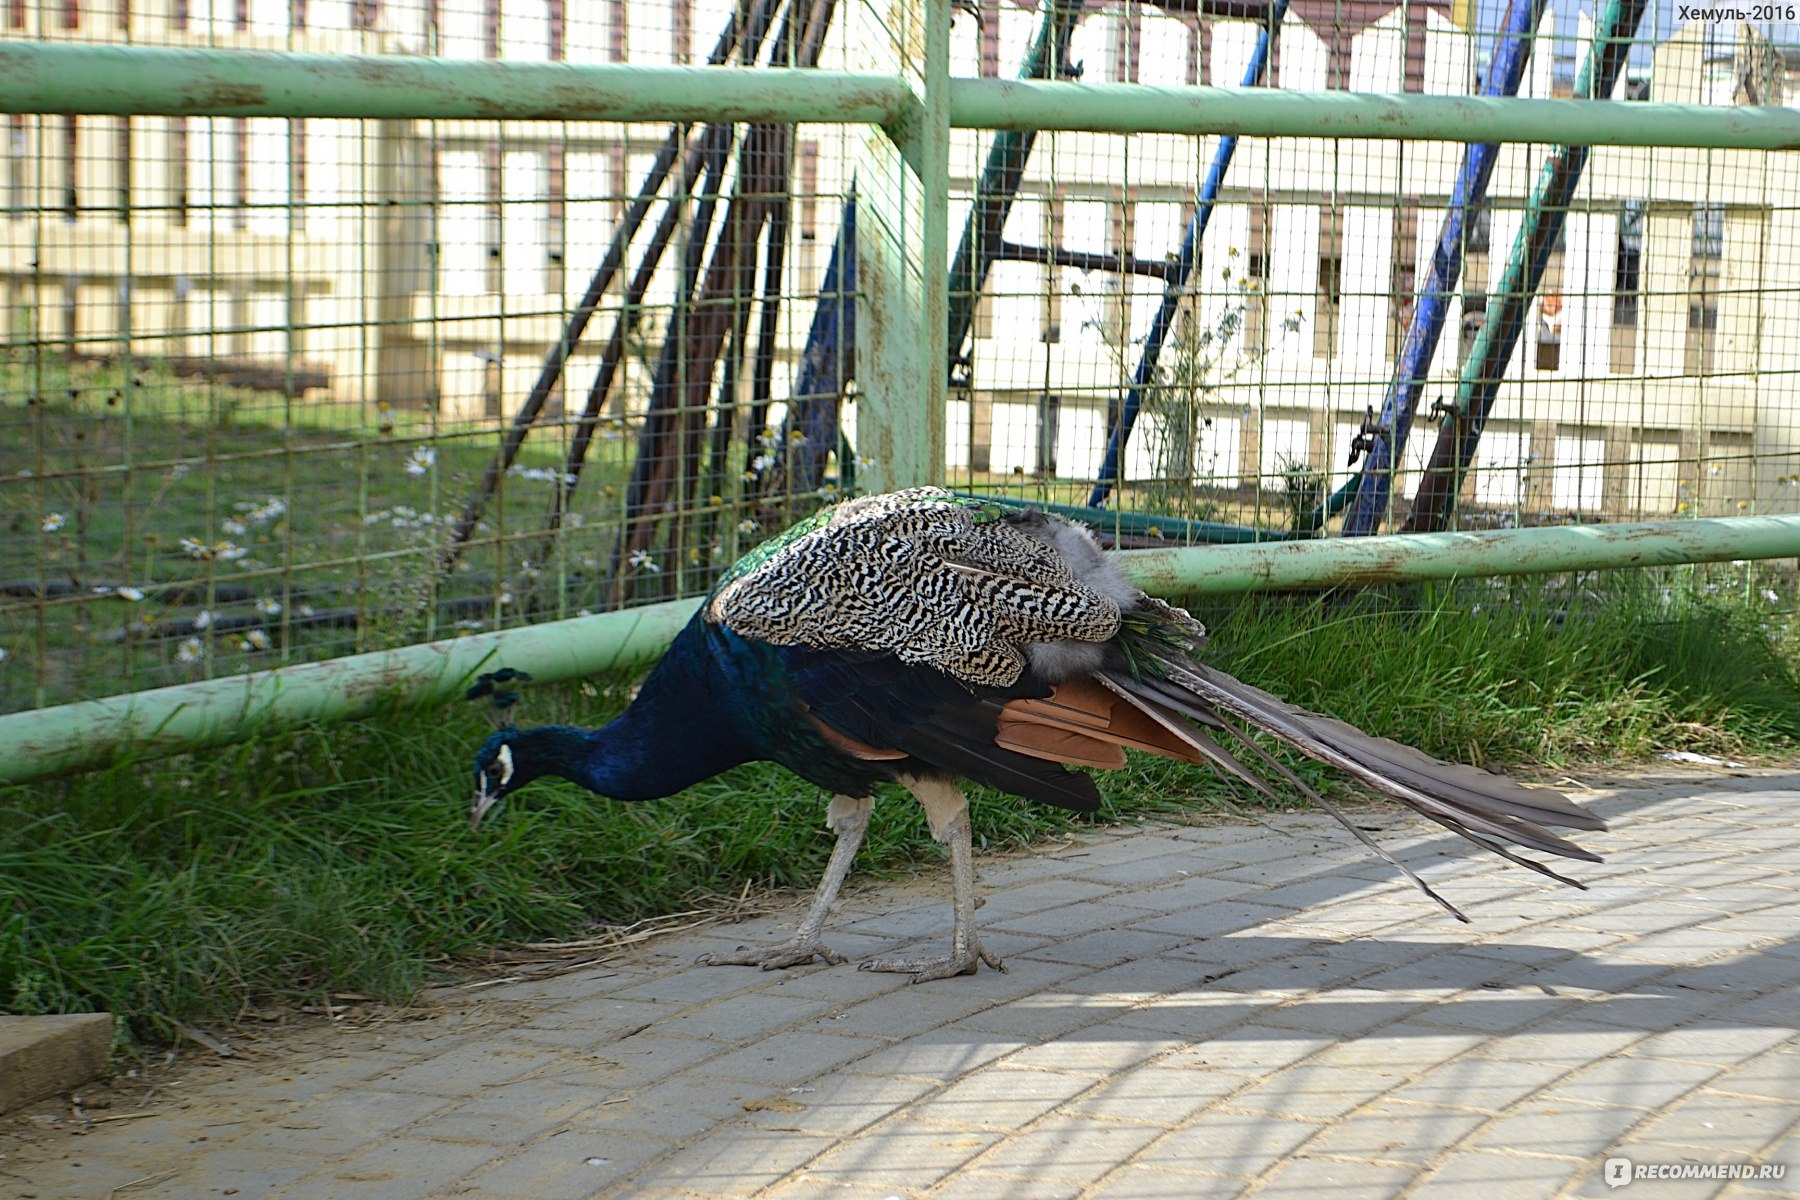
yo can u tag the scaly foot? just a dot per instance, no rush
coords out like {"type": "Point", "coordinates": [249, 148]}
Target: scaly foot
{"type": "Point", "coordinates": [964, 962]}
{"type": "Point", "coordinates": [793, 953]}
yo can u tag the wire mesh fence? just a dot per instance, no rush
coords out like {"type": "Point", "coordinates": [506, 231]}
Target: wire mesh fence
{"type": "Point", "coordinates": [277, 390]}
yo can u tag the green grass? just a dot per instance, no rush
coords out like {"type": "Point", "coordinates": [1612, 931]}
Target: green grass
{"type": "Point", "coordinates": [340, 859]}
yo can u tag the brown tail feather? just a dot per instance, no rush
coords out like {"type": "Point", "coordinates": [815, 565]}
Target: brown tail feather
{"type": "Point", "coordinates": [1491, 811]}
{"type": "Point", "coordinates": [1084, 718]}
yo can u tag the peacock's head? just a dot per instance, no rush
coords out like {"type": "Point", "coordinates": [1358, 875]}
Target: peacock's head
{"type": "Point", "coordinates": [499, 771]}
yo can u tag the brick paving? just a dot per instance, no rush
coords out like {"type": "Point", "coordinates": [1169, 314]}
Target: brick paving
{"type": "Point", "coordinates": [1256, 1010]}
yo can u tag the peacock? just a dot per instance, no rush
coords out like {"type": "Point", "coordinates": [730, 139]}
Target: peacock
{"type": "Point", "coordinates": [924, 638]}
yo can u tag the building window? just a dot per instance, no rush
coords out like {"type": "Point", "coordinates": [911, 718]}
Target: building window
{"type": "Point", "coordinates": [1049, 417]}
{"type": "Point", "coordinates": [1702, 338]}
{"type": "Point", "coordinates": [1709, 231]}
{"type": "Point", "coordinates": [1254, 334]}
{"type": "Point", "coordinates": [1404, 279]}
{"type": "Point", "coordinates": [1549, 332]}
{"type": "Point", "coordinates": [122, 165]}
{"type": "Point", "coordinates": [71, 170]}
{"type": "Point", "coordinates": [1704, 270]}
{"type": "Point", "coordinates": [178, 170]}
{"type": "Point", "coordinates": [16, 143]}
{"type": "Point", "coordinates": [297, 173]}
{"type": "Point", "coordinates": [240, 172]}
{"type": "Point", "coordinates": [1628, 275]}
{"type": "Point", "coordinates": [1330, 297]}
{"type": "Point", "coordinates": [493, 228]}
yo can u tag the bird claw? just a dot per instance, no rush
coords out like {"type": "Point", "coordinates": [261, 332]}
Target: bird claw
{"type": "Point", "coordinates": [965, 962]}
{"type": "Point", "coordinates": [795, 953]}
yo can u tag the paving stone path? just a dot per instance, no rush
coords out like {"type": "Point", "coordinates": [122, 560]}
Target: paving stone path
{"type": "Point", "coordinates": [1205, 1011]}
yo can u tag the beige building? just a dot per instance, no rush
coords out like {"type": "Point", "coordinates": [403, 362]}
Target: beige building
{"type": "Point", "coordinates": [431, 263]}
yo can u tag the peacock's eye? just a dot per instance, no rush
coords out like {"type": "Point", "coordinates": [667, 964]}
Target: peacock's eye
{"type": "Point", "coordinates": [501, 769]}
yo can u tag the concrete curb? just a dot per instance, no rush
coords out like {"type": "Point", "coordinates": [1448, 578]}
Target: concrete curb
{"type": "Point", "coordinates": [42, 1056]}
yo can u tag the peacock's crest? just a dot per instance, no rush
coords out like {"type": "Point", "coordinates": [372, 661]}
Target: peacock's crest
{"type": "Point", "coordinates": [925, 575]}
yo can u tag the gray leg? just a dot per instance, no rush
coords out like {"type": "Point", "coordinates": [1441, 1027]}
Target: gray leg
{"type": "Point", "coordinates": [948, 812]}
{"type": "Point", "coordinates": [847, 817]}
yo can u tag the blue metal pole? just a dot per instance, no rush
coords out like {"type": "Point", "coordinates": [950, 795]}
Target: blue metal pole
{"type": "Point", "coordinates": [1388, 437]}
{"type": "Point", "coordinates": [1558, 178]}
{"type": "Point", "coordinates": [1176, 287]}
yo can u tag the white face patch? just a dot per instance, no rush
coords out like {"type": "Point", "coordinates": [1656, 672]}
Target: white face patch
{"type": "Point", "coordinates": [504, 758]}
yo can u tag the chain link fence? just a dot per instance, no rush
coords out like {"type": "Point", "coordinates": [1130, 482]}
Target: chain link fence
{"type": "Point", "coordinates": [274, 390]}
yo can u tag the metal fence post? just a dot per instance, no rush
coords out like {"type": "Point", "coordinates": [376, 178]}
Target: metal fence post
{"type": "Point", "coordinates": [902, 248]}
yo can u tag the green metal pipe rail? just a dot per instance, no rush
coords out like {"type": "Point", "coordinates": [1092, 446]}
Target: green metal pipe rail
{"type": "Point", "coordinates": [1407, 558]}
{"type": "Point", "coordinates": [71, 79]}
{"type": "Point", "coordinates": [190, 716]}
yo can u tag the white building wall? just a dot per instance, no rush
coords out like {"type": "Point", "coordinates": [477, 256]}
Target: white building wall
{"type": "Point", "coordinates": [1294, 270]}
{"type": "Point", "coordinates": [1368, 270]}
{"type": "Point", "coordinates": [1233, 43]}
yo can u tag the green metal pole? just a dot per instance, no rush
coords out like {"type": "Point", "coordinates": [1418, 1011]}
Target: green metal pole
{"type": "Point", "coordinates": [931, 138]}
{"type": "Point", "coordinates": [44, 77]}
{"type": "Point", "coordinates": [1267, 112]}
{"type": "Point", "coordinates": [190, 716]}
{"type": "Point", "coordinates": [902, 236]}
{"type": "Point", "coordinates": [1402, 558]}
{"type": "Point", "coordinates": [47, 77]}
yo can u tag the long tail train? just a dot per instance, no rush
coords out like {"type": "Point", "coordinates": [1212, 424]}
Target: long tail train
{"type": "Point", "coordinates": [1179, 707]}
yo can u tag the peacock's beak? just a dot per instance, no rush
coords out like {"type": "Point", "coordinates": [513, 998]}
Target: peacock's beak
{"type": "Point", "coordinates": [479, 806]}
{"type": "Point", "coordinates": [490, 785]}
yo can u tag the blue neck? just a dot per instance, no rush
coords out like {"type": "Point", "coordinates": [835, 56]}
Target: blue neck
{"type": "Point", "coordinates": [676, 733]}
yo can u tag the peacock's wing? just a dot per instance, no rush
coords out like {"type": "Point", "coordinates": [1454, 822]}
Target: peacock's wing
{"type": "Point", "coordinates": [934, 580]}
{"type": "Point", "coordinates": [872, 703]}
